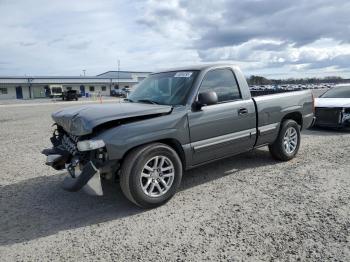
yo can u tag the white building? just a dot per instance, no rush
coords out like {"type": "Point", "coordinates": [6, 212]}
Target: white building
{"type": "Point", "coordinates": [39, 87]}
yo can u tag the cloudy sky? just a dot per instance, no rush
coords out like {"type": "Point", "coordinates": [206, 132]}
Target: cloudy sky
{"type": "Point", "coordinates": [274, 38]}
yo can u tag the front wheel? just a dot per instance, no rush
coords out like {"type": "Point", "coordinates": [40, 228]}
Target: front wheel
{"type": "Point", "coordinates": [287, 143]}
{"type": "Point", "coordinates": [151, 174]}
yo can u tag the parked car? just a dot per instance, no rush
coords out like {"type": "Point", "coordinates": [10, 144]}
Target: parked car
{"type": "Point", "coordinates": [118, 93]}
{"type": "Point", "coordinates": [333, 107]}
{"type": "Point", "coordinates": [173, 121]}
{"type": "Point", "coordinates": [56, 91]}
{"type": "Point", "coordinates": [70, 95]}
{"type": "Point", "coordinates": [126, 89]}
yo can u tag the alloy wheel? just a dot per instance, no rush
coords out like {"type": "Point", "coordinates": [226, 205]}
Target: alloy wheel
{"type": "Point", "coordinates": [290, 140]}
{"type": "Point", "coordinates": [157, 176]}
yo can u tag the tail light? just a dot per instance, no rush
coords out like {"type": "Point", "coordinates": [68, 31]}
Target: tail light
{"type": "Point", "coordinates": [313, 103]}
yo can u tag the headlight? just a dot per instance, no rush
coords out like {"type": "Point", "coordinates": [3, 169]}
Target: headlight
{"type": "Point", "coordinates": [77, 126]}
{"type": "Point", "coordinates": [88, 145]}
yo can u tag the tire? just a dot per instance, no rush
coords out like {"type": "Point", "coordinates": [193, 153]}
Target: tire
{"type": "Point", "coordinates": [141, 160]}
{"type": "Point", "coordinates": [287, 144]}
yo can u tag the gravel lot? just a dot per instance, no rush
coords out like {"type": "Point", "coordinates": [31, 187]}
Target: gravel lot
{"type": "Point", "coordinates": [248, 207]}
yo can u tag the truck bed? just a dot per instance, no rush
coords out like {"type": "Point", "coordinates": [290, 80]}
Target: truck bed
{"type": "Point", "coordinates": [272, 108]}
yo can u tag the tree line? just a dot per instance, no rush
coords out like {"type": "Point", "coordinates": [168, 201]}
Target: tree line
{"type": "Point", "coordinates": [260, 80]}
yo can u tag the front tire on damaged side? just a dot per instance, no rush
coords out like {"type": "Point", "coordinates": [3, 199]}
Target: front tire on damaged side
{"type": "Point", "coordinates": [289, 133]}
{"type": "Point", "coordinates": [143, 165]}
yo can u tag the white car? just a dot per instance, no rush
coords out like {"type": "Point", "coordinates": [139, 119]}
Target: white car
{"type": "Point", "coordinates": [332, 109]}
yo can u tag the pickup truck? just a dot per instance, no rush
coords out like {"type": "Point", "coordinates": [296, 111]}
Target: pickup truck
{"type": "Point", "coordinates": [173, 121]}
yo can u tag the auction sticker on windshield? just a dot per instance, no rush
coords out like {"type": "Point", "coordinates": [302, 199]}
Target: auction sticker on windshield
{"type": "Point", "coordinates": [183, 74]}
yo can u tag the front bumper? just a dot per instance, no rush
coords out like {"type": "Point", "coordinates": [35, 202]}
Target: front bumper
{"type": "Point", "coordinates": [88, 179]}
{"type": "Point", "coordinates": [84, 168]}
{"type": "Point", "coordinates": [332, 117]}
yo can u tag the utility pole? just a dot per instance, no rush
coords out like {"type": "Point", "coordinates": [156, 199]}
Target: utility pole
{"type": "Point", "coordinates": [30, 86]}
{"type": "Point", "coordinates": [118, 71]}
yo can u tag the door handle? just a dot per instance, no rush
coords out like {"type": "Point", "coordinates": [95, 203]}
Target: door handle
{"type": "Point", "coordinates": [243, 111]}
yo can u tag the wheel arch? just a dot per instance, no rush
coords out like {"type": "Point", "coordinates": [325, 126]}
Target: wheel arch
{"type": "Point", "coordinates": [171, 142]}
{"type": "Point", "coordinates": [296, 116]}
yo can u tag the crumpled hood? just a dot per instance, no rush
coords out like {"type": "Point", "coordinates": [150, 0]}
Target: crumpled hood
{"type": "Point", "coordinates": [80, 120]}
{"type": "Point", "coordinates": [332, 102]}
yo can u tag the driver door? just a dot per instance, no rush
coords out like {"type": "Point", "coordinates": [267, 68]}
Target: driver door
{"type": "Point", "coordinates": [225, 128]}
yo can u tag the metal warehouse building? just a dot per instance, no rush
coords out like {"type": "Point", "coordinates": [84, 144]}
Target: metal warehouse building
{"type": "Point", "coordinates": [39, 86]}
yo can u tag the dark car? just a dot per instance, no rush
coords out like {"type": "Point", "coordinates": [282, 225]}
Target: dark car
{"type": "Point", "coordinates": [118, 93]}
{"type": "Point", "coordinates": [70, 95]}
{"type": "Point", "coordinates": [126, 89]}
{"type": "Point", "coordinates": [173, 121]}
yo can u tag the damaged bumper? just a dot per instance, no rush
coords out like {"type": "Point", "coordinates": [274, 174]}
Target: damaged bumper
{"type": "Point", "coordinates": [332, 117]}
{"type": "Point", "coordinates": [88, 178]}
{"type": "Point", "coordinates": [83, 168]}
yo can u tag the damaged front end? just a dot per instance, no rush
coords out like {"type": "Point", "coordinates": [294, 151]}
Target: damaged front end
{"type": "Point", "coordinates": [332, 117]}
{"type": "Point", "coordinates": [346, 117]}
{"type": "Point", "coordinates": [85, 159]}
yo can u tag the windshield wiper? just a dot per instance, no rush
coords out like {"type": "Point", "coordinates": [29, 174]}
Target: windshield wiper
{"type": "Point", "coordinates": [148, 101]}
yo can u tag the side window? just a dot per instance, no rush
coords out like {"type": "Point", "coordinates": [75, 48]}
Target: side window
{"type": "Point", "coordinates": [223, 82]}
{"type": "Point", "coordinates": [3, 91]}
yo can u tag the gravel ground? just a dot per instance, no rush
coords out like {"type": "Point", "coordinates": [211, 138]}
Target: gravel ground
{"type": "Point", "coordinates": [248, 207]}
{"type": "Point", "coordinates": [7, 103]}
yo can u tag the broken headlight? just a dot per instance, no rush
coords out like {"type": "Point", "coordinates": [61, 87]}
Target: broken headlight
{"type": "Point", "coordinates": [88, 145]}
{"type": "Point", "coordinates": [346, 114]}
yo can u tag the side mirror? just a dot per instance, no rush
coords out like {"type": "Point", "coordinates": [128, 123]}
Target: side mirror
{"type": "Point", "coordinates": [206, 99]}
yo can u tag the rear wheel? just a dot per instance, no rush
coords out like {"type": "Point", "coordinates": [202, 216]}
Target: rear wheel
{"type": "Point", "coordinates": [287, 143]}
{"type": "Point", "coordinates": [151, 174]}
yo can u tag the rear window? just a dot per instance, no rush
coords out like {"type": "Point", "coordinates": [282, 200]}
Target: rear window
{"type": "Point", "coordinates": [338, 92]}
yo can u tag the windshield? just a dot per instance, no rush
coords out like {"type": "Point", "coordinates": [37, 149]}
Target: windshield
{"type": "Point", "coordinates": [338, 92]}
{"type": "Point", "coordinates": [169, 88]}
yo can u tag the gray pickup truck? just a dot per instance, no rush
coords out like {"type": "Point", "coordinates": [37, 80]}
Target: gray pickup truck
{"type": "Point", "coordinates": [173, 121]}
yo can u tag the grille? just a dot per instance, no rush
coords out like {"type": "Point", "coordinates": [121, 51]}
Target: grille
{"type": "Point", "coordinates": [328, 116]}
{"type": "Point", "coordinates": [70, 143]}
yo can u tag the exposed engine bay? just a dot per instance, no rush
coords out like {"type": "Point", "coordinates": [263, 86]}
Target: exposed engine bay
{"type": "Point", "coordinates": [85, 160]}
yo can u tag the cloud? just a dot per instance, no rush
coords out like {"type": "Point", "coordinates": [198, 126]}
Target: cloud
{"type": "Point", "coordinates": [337, 62]}
{"type": "Point", "coordinates": [271, 37]}
{"type": "Point", "coordinates": [298, 22]}
{"type": "Point", "coordinates": [267, 33]}
{"type": "Point", "coordinates": [80, 45]}
{"type": "Point", "coordinates": [55, 40]}
{"type": "Point", "coordinates": [27, 43]}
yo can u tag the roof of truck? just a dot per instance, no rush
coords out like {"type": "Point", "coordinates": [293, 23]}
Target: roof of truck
{"type": "Point", "coordinates": [195, 67]}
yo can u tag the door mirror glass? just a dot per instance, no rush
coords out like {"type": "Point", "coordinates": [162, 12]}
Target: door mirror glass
{"type": "Point", "coordinates": [207, 98]}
